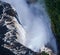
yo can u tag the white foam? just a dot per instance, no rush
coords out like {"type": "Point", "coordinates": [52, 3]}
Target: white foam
{"type": "Point", "coordinates": [35, 21]}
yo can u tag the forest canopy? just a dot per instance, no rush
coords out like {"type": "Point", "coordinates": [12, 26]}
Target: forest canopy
{"type": "Point", "coordinates": [53, 7]}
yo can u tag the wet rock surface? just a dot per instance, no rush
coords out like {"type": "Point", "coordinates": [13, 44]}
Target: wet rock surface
{"type": "Point", "coordinates": [8, 33]}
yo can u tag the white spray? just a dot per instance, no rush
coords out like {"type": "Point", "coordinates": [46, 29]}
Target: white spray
{"type": "Point", "coordinates": [36, 22]}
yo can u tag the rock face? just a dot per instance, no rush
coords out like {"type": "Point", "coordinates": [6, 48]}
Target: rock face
{"type": "Point", "coordinates": [47, 50]}
{"type": "Point", "coordinates": [9, 31]}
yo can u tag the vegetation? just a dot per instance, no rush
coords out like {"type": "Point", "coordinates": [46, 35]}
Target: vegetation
{"type": "Point", "coordinates": [53, 7]}
{"type": "Point", "coordinates": [43, 53]}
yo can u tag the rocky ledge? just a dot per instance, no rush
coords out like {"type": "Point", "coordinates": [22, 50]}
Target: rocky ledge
{"type": "Point", "coordinates": [8, 32]}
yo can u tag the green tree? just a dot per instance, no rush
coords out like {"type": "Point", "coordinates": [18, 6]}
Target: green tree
{"type": "Point", "coordinates": [53, 7]}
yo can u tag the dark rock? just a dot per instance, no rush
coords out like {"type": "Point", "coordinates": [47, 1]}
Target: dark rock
{"type": "Point", "coordinates": [4, 51]}
{"type": "Point", "coordinates": [8, 37]}
{"type": "Point", "coordinates": [1, 9]}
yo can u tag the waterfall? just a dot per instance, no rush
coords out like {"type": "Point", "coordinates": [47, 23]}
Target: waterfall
{"type": "Point", "coordinates": [37, 24]}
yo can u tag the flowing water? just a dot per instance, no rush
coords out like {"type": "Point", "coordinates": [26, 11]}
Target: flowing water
{"type": "Point", "coordinates": [36, 22]}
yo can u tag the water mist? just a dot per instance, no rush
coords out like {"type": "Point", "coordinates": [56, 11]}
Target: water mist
{"type": "Point", "coordinates": [36, 23]}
